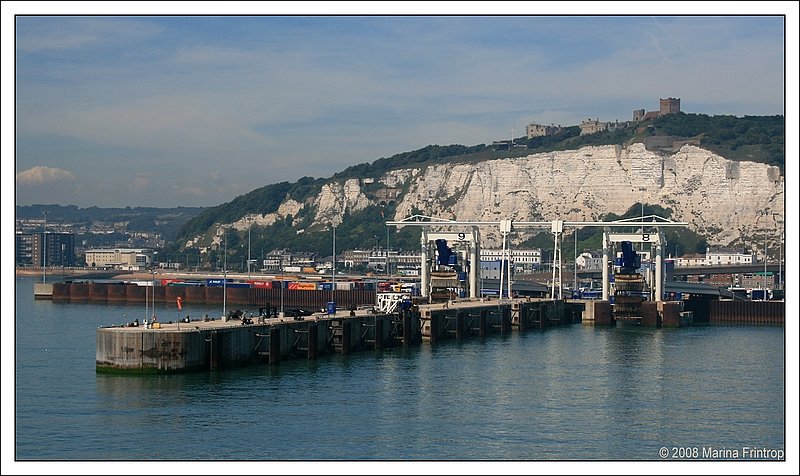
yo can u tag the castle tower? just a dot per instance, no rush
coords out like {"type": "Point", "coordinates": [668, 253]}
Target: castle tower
{"type": "Point", "coordinates": [669, 106]}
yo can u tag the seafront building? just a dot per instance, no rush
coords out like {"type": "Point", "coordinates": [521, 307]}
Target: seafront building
{"type": "Point", "coordinates": [718, 257]}
{"type": "Point", "coordinates": [44, 249]}
{"type": "Point", "coordinates": [130, 259]}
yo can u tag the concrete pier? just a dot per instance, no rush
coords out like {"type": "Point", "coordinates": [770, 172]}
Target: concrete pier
{"type": "Point", "coordinates": [42, 290]}
{"type": "Point", "coordinates": [205, 344]}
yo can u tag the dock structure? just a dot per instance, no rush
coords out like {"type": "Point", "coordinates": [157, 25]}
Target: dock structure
{"type": "Point", "coordinates": [212, 344]}
{"type": "Point", "coordinates": [209, 344]}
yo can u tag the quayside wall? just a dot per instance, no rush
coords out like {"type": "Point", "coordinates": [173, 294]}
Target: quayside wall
{"type": "Point", "coordinates": [209, 344]}
{"type": "Point", "coordinates": [209, 295]}
{"type": "Point", "coordinates": [747, 312]}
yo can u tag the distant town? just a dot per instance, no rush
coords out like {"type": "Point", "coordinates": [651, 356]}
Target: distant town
{"type": "Point", "coordinates": [57, 247]}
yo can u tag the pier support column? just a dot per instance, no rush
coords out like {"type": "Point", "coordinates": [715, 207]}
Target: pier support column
{"type": "Point", "coordinates": [482, 323]}
{"type": "Point", "coordinates": [606, 281]}
{"type": "Point", "coordinates": [524, 314]}
{"type": "Point", "coordinates": [407, 329]}
{"type": "Point", "coordinates": [601, 310]}
{"type": "Point", "coordinates": [460, 318]}
{"type": "Point", "coordinates": [345, 337]}
{"type": "Point", "coordinates": [312, 341]}
{"type": "Point", "coordinates": [474, 264]}
{"type": "Point", "coordinates": [435, 327]}
{"type": "Point", "coordinates": [671, 313]}
{"type": "Point", "coordinates": [543, 316]}
{"type": "Point", "coordinates": [649, 314]}
{"type": "Point", "coordinates": [378, 332]}
{"type": "Point", "coordinates": [424, 272]}
{"type": "Point", "coordinates": [659, 271]}
{"type": "Point", "coordinates": [274, 345]}
{"type": "Point", "coordinates": [505, 320]}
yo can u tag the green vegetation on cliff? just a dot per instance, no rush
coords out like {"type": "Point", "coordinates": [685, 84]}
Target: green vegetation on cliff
{"type": "Point", "coordinates": [752, 138]}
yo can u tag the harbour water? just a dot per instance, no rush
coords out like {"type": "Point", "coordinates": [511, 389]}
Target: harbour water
{"type": "Point", "coordinates": [573, 393]}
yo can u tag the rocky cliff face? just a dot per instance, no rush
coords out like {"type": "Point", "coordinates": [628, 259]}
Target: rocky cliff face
{"type": "Point", "coordinates": [731, 203]}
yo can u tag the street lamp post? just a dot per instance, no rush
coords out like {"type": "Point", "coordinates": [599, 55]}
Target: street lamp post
{"type": "Point", "coordinates": [225, 280]}
{"type": "Point", "coordinates": [282, 286]}
{"type": "Point", "coordinates": [153, 284]}
{"type": "Point", "coordinates": [765, 265]}
{"type": "Point", "coordinates": [248, 253]}
{"type": "Point", "coordinates": [575, 261]}
{"type": "Point", "coordinates": [765, 214]}
{"type": "Point", "coordinates": [387, 252]}
{"type": "Point", "coordinates": [780, 262]}
{"type": "Point", "coordinates": [333, 268]}
{"type": "Point", "coordinates": [44, 249]}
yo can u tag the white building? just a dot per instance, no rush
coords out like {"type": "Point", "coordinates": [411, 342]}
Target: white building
{"type": "Point", "coordinates": [131, 259]}
{"type": "Point", "coordinates": [589, 261]}
{"type": "Point", "coordinates": [719, 257]}
{"type": "Point", "coordinates": [521, 259]}
{"type": "Point", "coordinates": [690, 260]}
{"type": "Point", "coordinates": [727, 256]}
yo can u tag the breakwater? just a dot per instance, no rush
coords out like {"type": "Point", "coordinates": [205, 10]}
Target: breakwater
{"type": "Point", "coordinates": [208, 344]}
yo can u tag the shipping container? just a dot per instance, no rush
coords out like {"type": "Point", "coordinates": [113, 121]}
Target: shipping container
{"type": "Point", "coordinates": [237, 284]}
{"type": "Point", "coordinates": [302, 286]}
{"type": "Point", "coordinates": [344, 285]}
{"type": "Point", "coordinates": [185, 283]}
{"type": "Point", "coordinates": [759, 295]}
{"type": "Point", "coordinates": [385, 286]}
{"type": "Point", "coordinates": [217, 281]}
{"type": "Point", "coordinates": [138, 282]}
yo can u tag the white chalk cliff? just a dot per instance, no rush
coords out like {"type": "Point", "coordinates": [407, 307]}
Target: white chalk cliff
{"type": "Point", "coordinates": [731, 203]}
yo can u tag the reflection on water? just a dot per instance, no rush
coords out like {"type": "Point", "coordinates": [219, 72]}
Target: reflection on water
{"type": "Point", "coordinates": [569, 393]}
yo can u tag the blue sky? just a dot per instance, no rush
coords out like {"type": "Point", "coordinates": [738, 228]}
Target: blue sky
{"type": "Point", "coordinates": [195, 110]}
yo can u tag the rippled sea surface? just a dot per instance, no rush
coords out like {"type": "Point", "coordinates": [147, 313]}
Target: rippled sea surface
{"type": "Point", "coordinates": [573, 393]}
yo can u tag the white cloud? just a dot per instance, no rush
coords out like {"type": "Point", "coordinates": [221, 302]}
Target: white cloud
{"type": "Point", "coordinates": [140, 182]}
{"type": "Point", "coordinates": [41, 175]}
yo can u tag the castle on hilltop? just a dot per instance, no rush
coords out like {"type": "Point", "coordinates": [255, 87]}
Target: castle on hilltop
{"type": "Point", "coordinates": [665, 106]}
{"type": "Point", "coordinates": [590, 126]}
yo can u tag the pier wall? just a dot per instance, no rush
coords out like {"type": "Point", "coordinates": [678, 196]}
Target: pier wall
{"type": "Point", "coordinates": [208, 295]}
{"type": "Point", "coordinates": [747, 312]}
{"type": "Point", "coordinates": [208, 345]}
{"type": "Point", "coordinates": [187, 347]}
{"type": "Point", "coordinates": [42, 290]}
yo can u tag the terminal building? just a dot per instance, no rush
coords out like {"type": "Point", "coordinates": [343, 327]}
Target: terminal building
{"type": "Point", "coordinates": [131, 259]}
